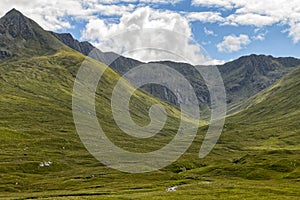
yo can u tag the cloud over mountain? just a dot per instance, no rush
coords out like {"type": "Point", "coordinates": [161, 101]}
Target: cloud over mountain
{"type": "Point", "coordinates": [147, 34]}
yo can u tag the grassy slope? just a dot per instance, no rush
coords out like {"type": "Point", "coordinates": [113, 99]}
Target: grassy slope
{"type": "Point", "coordinates": [275, 111]}
{"type": "Point", "coordinates": [36, 125]}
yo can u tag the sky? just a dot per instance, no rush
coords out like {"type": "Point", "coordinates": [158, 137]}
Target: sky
{"type": "Point", "coordinates": [190, 30]}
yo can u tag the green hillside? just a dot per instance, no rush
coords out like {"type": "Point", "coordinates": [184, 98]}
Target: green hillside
{"type": "Point", "coordinates": [36, 123]}
{"type": "Point", "coordinates": [262, 140]}
{"type": "Point", "coordinates": [37, 126]}
{"type": "Point", "coordinates": [275, 113]}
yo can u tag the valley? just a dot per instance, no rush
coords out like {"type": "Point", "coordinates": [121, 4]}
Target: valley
{"type": "Point", "coordinates": [257, 156]}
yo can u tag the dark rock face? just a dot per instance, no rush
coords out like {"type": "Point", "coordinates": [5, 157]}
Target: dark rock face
{"type": "Point", "coordinates": [83, 47]}
{"type": "Point", "coordinates": [194, 78]}
{"type": "Point", "coordinates": [21, 36]}
{"type": "Point", "coordinates": [16, 24]}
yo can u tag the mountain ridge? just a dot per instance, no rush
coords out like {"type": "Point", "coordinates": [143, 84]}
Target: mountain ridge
{"type": "Point", "coordinates": [243, 77]}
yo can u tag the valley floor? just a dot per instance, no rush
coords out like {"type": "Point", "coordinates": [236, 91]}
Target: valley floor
{"type": "Point", "coordinates": [191, 189]}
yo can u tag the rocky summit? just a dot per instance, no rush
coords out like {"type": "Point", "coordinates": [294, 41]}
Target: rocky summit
{"type": "Point", "coordinates": [18, 33]}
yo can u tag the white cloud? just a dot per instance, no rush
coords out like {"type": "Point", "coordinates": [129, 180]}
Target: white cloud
{"type": "Point", "coordinates": [111, 10]}
{"type": "Point", "coordinates": [205, 16]}
{"type": "Point", "coordinates": [112, 1]}
{"type": "Point", "coordinates": [250, 19]}
{"type": "Point", "coordinates": [294, 31]}
{"type": "Point", "coordinates": [56, 14]}
{"type": "Point", "coordinates": [260, 13]}
{"type": "Point", "coordinates": [137, 1]}
{"type": "Point", "coordinates": [214, 3]}
{"type": "Point", "coordinates": [206, 43]}
{"type": "Point", "coordinates": [233, 43]}
{"type": "Point", "coordinates": [49, 14]}
{"type": "Point", "coordinates": [259, 37]}
{"type": "Point", "coordinates": [161, 1]}
{"type": "Point", "coordinates": [52, 15]}
{"type": "Point", "coordinates": [147, 34]}
{"type": "Point", "coordinates": [216, 62]}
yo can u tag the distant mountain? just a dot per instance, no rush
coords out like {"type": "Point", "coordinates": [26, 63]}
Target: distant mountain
{"type": "Point", "coordinates": [249, 75]}
{"type": "Point", "coordinates": [243, 77]}
{"type": "Point", "coordinates": [83, 47]}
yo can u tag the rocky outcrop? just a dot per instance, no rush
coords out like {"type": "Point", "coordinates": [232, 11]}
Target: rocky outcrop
{"type": "Point", "coordinates": [5, 54]}
{"type": "Point", "coordinates": [83, 47]}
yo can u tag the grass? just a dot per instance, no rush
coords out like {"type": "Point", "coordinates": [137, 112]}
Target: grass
{"type": "Point", "coordinates": [257, 156]}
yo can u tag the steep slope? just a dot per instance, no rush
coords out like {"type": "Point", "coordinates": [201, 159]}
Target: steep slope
{"type": "Point", "coordinates": [275, 113]}
{"type": "Point", "coordinates": [249, 75]}
{"type": "Point", "coordinates": [285, 87]}
{"type": "Point", "coordinates": [243, 77]}
{"type": "Point", "coordinates": [268, 130]}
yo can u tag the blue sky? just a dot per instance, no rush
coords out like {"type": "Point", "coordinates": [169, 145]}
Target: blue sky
{"type": "Point", "coordinates": [226, 29]}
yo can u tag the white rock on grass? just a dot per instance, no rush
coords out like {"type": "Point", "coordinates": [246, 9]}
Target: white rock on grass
{"type": "Point", "coordinates": [45, 164]}
{"type": "Point", "coordinates": [172, 189]}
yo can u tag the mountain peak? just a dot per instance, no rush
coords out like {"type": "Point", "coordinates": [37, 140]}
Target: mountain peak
{"type": "Point", "coordinates": [14, 15]}
{"type": "Point", "coordinates": [14, 12]}
{"type": "Point", "coordinates": [16, 24]}
{"type": "Point", "coordinates": [19, 35]}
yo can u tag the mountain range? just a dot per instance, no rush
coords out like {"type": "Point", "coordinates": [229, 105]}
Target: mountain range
{"type": "Point", "coordinates": [242, 78]}
{"type": "Point", "coordinates": [42, 155]}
